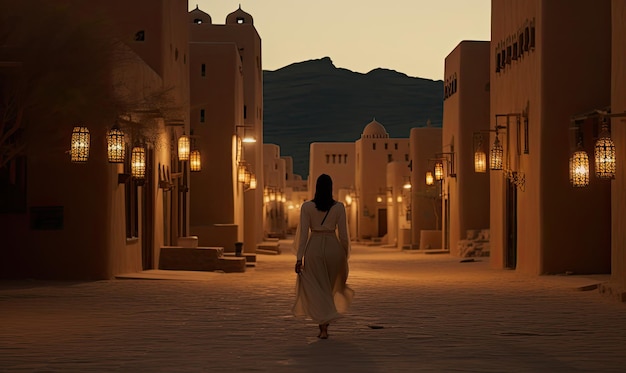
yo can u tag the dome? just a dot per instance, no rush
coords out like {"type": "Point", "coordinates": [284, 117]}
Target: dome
{"type": "Point", "coordinates": [200, 17]}
{"type": "Point", "coordinates": [239, 17]}
{"type": "Point", "coordinates": [374, 130]}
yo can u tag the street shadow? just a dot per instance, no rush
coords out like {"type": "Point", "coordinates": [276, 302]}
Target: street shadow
{"type": "Point", "coordinates": [332, 355]}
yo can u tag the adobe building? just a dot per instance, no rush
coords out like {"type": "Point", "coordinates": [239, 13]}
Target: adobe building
{"type": "Point", "coordinates": [425, 144]}
{"type": "Point", "coordinates": [248, 122]}
{"type": "Point", "coordinates": [373, 151]}
{"type": "Point", "coordinates": [91, 218]}
{"type": "Point", "coordinates": [274, 193]}
{"type": "Point", "coordinates": [216, 196]}
{"type": "Point", "coordinates": [617, 284]}
{"type": "Point", "coordinates": [540, 223]}
{"type": "Point", "coordinates": [336, 159]}
{"type": "Point", "coordinates": [465, 188]}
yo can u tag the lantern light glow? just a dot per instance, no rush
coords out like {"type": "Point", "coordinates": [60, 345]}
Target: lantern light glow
{"type": "Point", "coordinates": [79, 151]}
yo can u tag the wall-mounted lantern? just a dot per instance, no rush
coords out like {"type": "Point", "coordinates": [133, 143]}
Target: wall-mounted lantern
{"type": "Point", "coordinates": [184, 147]}
{"type": "Point", "coordinates": [579, 168]}
{"type": "Point", "coordinates": [79, 150]}
{"type": "Point", "coordinates": [242, 170]}
{"type": "Point", "coordinates": [195, 161]}
{"type": "Point", "coordinates": [439, 170]}
{"type": "Point", "coordinates": [604, 150]}
{"type": "Point", "coordinates": [138, 162]}
{"type": "Point", "coordinates": [480, 161]}
{"type": "Point", "coordinates": [252, 182]}
{"type": "Point", "coordinates": [605, 154]}
{"type": "Point", "coordinates": [116, 145]}
{"type": "Point", "coordinates": [407, 183]}
{"type": "Point", "coordinates": [496, 155]}
{"type": "Point", "coordinates": [430, 180]}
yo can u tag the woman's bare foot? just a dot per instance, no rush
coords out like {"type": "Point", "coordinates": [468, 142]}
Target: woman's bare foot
{"type": "Point", "coordinates": [323, 331]}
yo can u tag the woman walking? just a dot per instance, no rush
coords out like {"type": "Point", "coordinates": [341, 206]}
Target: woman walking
{"type": "Point", "coordinates": [323, 248]}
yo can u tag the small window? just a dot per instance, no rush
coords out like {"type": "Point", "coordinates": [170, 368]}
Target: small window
{"type": "Point", "coordinates": [275, 166]}
{"type": "Point", "coordinates": [327, 158]}
{"type": "Point", "coordinates": [374, 146]}
{"type": "Point", "coordinates": [406, 157]}
{"type": "Point", "coordinates": [345, 158]}
{"type": "Point", "coordinates": [197, 21]}
{"type": "Point", "coordinates": [240, 20]}
{"type": "Point", "coordinates": [515, 53]}
{"type": "Point", "coordinates": [203, 70]}
{"type": "Point", "coordinates": [245, 111]}
{"type": "Point", "coordinates": [140, 35]}
{"type": "Point", "coordinates": [526, 38]}
{"type": "Point", "coordinates": [389, 158]}
{"type": "Point", "coordinates": [334, 158]}
{"type": "Point", "coordinates": [395, 146]}
{"type": "Point", "coordinates": [532, 36]}
{"type": "Point", "coordinates": [201, 115]}
{"type": "Point", "coordinates": [386, 146]}
{"type": "Point", "coordinates": [508, 54]}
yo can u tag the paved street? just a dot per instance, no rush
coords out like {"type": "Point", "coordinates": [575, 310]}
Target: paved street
{"type": "Point", "coordinates": [412, 313]}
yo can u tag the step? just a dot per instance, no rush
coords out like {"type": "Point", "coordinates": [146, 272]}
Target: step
{"type": "Point", "coordinates": [250, 258]}
{"type": "Point", "coordinates": [231, 264]}
{"type": "Point", "coordinates": [272, 248]}
{"type": "Point", "coordinates": [190, 258]}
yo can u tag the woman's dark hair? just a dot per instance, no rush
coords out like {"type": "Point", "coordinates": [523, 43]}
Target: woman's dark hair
{"type": "Point", "coordinates": [324, 193]}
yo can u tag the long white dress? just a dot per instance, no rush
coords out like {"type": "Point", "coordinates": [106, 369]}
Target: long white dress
{"type": "Point", "coordinates": [321, 291]}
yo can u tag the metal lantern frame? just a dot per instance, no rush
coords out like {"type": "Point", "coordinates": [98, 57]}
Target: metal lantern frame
{"type": "Point", "coordinates": [116, 145]}
{"type": "Point", "coordinates": [80, 143]}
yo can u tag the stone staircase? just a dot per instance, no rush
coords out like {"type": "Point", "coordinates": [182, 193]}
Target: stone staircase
{"type": "Point", "coordinates": [182, 258]}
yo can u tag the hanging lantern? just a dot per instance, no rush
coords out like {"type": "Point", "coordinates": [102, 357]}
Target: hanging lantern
{"type": "Point", "coordinates": [195, 161]}
{"type": "Point", "coordinates": [116, 147]}
{"type": "Point", "coordinates": [138, 162]}
{"type": "Point", "coordinates": [241, 172]}
{"type": "Point", "coordinates": [439, 170]}
{"type": "Point", "coordinates": [579, 168]}
{"type": "Point", "coordinates": [379, 199]}
{"type": "Point", "coordinates": [430, 180]}
{"type": "Point", "coordinates": [184, 145]}
{"type": "Point", "coordinates": [252, 181]}
{"type": "Point", "coordinates": [496, 155]}
{"type": "Point", "coordinates": [605, 155]}
{"type": "Point", "coordinates": [407, 184]}
{"type": "Point", "coordinates": [79, 151]}
{"type": "Point", "coordinates": [246, 178]}
{"type": "Point", "coordinates": [480, 161]}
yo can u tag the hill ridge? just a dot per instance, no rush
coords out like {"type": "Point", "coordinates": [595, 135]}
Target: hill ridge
{"type": "Point", "coordinates": [314, 101]}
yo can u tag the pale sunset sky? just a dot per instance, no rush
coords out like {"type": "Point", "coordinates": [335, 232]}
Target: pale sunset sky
{"type": "Point", "coordinates": [409, 36]}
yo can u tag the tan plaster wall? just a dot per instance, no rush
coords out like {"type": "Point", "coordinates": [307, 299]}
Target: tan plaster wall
{"type": "Point", "coordinates": [466, 112]}
{"type": "Point", "coordinates": [249, 44]}
{"type": "Point", "coordinates": [618, 133]}
{"type": "Point", "coordinates": [398, 226]}
{"type": "Point", "coordinates": [554, 220]}
{"type": "Point", "coordinates": [425, 142]}
{"type": "Point", "coordinates": [341, 173]}
{"type": "Point", "coordinates": [370, 178]}
{"type": "Point", "coordinates": [214, 191]}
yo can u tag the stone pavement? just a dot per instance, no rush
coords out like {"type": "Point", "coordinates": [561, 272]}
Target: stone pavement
{"type": "Point", "coordinates": [412, 313]}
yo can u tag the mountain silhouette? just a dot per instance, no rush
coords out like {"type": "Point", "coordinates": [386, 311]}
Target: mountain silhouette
{"type": "Point", "coordinates": [314, 101]}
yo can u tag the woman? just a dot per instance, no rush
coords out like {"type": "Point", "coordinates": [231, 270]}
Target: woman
{"type": "Point", "coordinates": [323, 247]}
